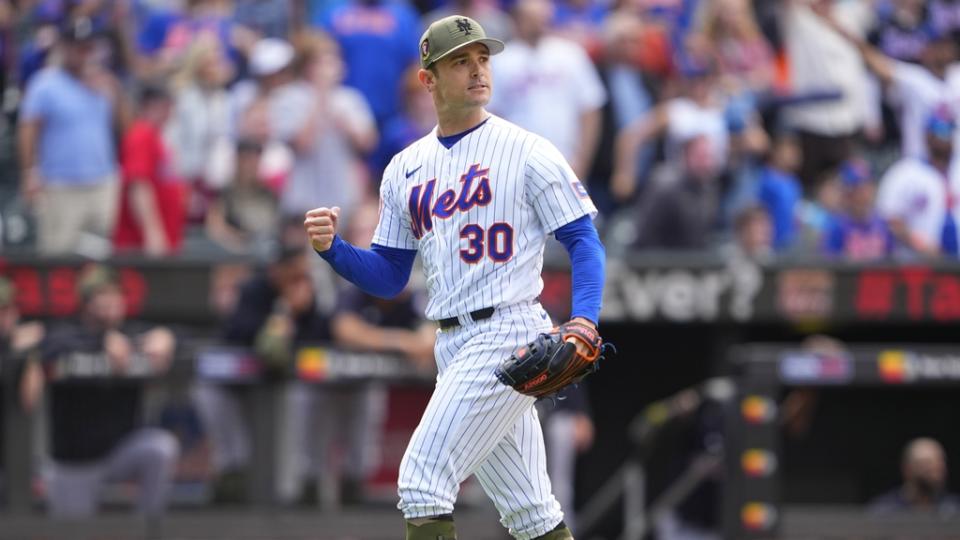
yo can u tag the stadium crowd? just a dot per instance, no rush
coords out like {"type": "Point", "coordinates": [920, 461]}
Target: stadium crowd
{"type": "Point", "coordinates": [795, 127]}
{"type": "Point", "coordinates": [762, 130]}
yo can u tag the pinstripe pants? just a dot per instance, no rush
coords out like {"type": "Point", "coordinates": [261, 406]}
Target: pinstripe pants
{"type": "Point", "coordinates": [476, 425]}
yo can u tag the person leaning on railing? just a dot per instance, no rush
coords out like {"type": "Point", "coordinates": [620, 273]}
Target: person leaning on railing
{"type": "Point", "coordinates": [95, 369]}
{"type": "Point", "coordinates": [19, 346]}
{"type": "Point", "coordinates": [276, 313]}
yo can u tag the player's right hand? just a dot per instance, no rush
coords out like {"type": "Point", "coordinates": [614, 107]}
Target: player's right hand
{"type": "Point", "coordinates": [321, 226]}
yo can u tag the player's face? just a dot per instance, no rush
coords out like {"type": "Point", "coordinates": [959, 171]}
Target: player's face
{"type": "Point", "coordinates": [463, 79]}
{"type": "Point", "coordinates": [106, 307]}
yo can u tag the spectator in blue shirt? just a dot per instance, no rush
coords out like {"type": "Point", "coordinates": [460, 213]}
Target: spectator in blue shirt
{"type": "Point", "coordinates": [582, 21]}
{"type": "Point", "coordinates": [817, 213]}
{"type": "Point", "coordinates": [375, 37]}
{"type": "Point", "coordinates": [415, 120]}
{"type": "Point", "coordinates": [166, 36]}
{"type": "Point", "coordinates": [779, 190]}
{"type": "Point", "coordinates": [858, 233]}
{"type": "Point", "coordinates": [944, 15]}
{"type": "Point", "coordinates": [66, 144]}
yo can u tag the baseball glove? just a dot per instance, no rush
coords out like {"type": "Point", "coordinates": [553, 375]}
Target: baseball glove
{"type": "Point", "coordinates": [550, 363]}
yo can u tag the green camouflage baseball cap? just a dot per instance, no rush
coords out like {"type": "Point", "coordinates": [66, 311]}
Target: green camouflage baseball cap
{"type": "Point", "coordinates": [452, 33]}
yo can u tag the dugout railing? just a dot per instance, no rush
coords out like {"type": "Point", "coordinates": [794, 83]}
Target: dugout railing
{"type": "Point", "coordinates": [627, 486]}
{"type": "Point", "coordinates": [261, 388]}
{"type": "Point", "coordinates": [752, 504]}
{"type": "Point", "coordinates": [750, 459]}
{"type": "Point", "coordinates": [713, 300]}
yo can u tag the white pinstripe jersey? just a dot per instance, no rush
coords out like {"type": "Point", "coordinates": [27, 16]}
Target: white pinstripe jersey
{"type": "Point", "coordinates": [479, 213]}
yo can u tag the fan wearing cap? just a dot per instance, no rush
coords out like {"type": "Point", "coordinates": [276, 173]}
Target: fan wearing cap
{"type": "Point", "coordinates": [66, 143]}
{"type": "Point", "coordinates": [268, 107]}
{"type": "Point", "coordinates": [858, 233]}
{"type": "Point", "coordinates": [476, 198]}
{"type": "Point", "coordinates": [299, 108]}
{"type": "Point", "coordinates": [256, 100]}
{"type": "Point", "coordinates": [918, 197]}
{"type": "Point", "coordinates": [96, 430]}
{"type": "Point", "coordinates": [245, 214]}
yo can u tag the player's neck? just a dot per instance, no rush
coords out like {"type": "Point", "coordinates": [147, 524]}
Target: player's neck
{"type": "Point", "coordinates": [451, 122]}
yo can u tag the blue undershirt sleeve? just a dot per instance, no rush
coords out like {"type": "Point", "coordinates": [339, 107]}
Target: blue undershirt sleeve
{"type": "Point", "coordinates": [381, 271]}
{"type": "Point", "coordinates": [587, 262]}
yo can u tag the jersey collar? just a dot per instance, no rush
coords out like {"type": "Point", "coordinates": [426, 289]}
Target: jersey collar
{"type": "Point", "coordinates": [451, 140]}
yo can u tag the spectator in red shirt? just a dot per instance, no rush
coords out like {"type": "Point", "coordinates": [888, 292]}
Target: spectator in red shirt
{"type": "Point", "coordinates": [153, 202]}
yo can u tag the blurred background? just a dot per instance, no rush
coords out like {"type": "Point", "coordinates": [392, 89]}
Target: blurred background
{"type": "Point", "coordinates": [778, 198]}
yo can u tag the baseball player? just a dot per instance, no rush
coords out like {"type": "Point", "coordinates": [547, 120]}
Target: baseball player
{"type": "Point", "coordinates": [477, 198]}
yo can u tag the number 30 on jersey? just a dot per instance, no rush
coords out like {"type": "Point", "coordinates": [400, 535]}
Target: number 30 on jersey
{"type": "Point", "coordinates": [495, 242]}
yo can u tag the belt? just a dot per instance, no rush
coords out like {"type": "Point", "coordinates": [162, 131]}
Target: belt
{"type": "Point", "coordinates": [477, 315]}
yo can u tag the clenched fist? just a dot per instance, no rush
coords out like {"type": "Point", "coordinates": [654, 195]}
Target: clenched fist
{"type": "Point", "coordinates": [321, 226]}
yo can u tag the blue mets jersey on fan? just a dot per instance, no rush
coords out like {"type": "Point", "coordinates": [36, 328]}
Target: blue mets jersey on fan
{"type": "Point", "coordinates": [479, 211]}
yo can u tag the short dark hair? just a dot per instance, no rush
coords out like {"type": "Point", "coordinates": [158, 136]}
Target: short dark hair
{"type": "Point", "coordinates": [247, 144]}
{"type": "Point", "coordinates": [95, 278]}
{"type": "Point", "coordinates": [748, 215]}
{"type": "Point", "coordinates": [286, 253]}
{"type": "Point", "coordinates": [151, 93]}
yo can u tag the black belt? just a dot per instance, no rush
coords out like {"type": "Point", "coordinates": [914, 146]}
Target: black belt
{"type": "Point", "coordinates": [477, 315]}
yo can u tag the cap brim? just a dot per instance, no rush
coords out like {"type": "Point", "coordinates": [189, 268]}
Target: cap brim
{"type": "Point", "coordinates": [495, 46]}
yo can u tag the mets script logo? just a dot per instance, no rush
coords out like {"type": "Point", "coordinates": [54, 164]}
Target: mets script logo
{"type": "Point", "coordinates": [474, 191]}
{"type": "Point", "coordinates": [463, 25]}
